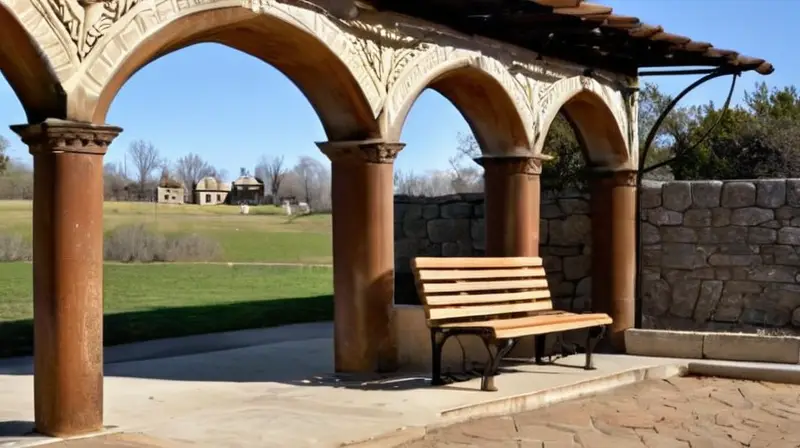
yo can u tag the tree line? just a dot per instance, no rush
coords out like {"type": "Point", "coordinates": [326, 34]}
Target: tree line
{"type": "Point", "coordinates": [759, 138]}
{"type": "Point", "coordinates": [145, 169]}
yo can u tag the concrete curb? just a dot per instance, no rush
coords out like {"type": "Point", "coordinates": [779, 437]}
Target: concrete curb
{"type": "Point", "coordinates": [521, 403]}
{"type": "Point", "coordinates": [718, 346]}
{"type": "Point", "coordinates": [45, 440]}
{"type": "Point", "coordinates": [773, 373]}
{"type": "Point", "coordinates": [541, 398]}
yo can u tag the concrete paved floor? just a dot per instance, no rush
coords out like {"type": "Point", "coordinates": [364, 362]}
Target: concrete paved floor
{"type": "Point", "coordinates": [278, 391]}
{"type": "Point", "coordinates": [677, 412]}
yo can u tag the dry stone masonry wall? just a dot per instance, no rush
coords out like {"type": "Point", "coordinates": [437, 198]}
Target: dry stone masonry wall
{"type": "Point", "coordinates": [722, 255]}
{"type": "Point", "coordinates": [718, 255]}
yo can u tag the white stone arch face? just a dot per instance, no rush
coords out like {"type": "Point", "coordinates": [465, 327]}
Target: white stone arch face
{"type": "Point", "coordinates": [550, 98]}
{"type": "Point", "coordinates": [34, 17]}
{"type": "Point", "coordinates": [436, 61]}
{"type": "Point", "coordinates": [95, 40]}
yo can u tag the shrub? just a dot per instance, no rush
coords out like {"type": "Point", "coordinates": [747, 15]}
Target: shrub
{"type": "Point", "coordinates": [15, 248]}
{"type": "Point", "coordinates": [135, 243]}
{"type": "Point", "coordinates": [192, 248]}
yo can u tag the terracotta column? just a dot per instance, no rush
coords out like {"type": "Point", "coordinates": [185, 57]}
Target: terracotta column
{"type": "Point", "coordinates": [512, 201]}
{"type": "Point", "coordinates": [68, 273]}
{"type": "Point", "coordinates": [613, 208]}
{"type": "Point", "coordinates": [362, 192]}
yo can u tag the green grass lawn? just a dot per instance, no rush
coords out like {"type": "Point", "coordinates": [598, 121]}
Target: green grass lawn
{"type": "Point", "coordinates": [266, 235]}
{"type": "Point", "coordinates": [152, 301]}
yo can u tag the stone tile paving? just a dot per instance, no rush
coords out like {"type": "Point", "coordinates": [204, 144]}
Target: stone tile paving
{"type": "Point", "coordinates": [678, 412]}
{"type": "Point", "coordinates": [130, 440]}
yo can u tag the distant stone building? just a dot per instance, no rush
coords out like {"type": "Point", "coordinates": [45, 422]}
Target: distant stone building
{"type": "Point", "coordinates": [247, 190]}
{"type": "Point", "coordinates": [169, 195]}
{"type": "Point", "coordinates": [169, 191]}
{"type": "Point", "coordinates": [209, 191]}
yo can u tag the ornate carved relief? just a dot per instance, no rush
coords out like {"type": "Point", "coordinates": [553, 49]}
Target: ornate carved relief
{"type": "Point", "coordinates": [55, 136]}
{"type": "Point", "coordinates": [370, 67]}
{"type": "Point", "coordinates": [383, 52]}
{"type": "Point", "coordinates": [86, 21]}
{"type": "Point", "coordinates": [32, 16]}
{"type": "Point", "coordinates": [369, 152]}
{"type": "Point", "coordinates": [517, 91]}
{"type": "Point", "coordinates": [391, 57]}
{"type": "Point", "coordinates": [439, 59]}
{"type": "Point", "coordinates": [552, 97]}
{"type": "Point", "coordinates": [528, 165]}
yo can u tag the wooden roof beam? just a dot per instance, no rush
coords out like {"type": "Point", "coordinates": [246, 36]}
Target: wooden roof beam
{"type": "Point", "coordinates": [558, 3]}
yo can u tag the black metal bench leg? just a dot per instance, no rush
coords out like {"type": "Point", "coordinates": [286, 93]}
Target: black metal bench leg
{"type": "Point", "coordinates": [489, 372]}
{"type": "Point", "coordinates": [538, 342]}
{"type": "Point", "coordinates": [437, 342]}
{"type": "Point", "coordinates": [592, 338]}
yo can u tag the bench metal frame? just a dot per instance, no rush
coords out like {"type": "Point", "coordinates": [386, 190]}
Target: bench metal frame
{"type": "Point", "coordinates": [498, 349]}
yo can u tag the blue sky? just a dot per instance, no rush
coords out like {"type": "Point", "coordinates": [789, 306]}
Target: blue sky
{"type": "Point", "coordinates": [231, 108]}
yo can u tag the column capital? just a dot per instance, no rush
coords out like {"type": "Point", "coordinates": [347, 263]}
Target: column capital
{"type": "Point", "coordinates": [621, 178]}
{"type": "Point", "coordinates": [368, 151]}
{"type": "Point", "coordinates": [62, 136]}
{"type": "Point", "coordinates": [518, 163]}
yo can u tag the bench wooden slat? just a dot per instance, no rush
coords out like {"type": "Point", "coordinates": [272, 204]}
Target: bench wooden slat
{"type": "Point", "coordinates": [556, 318]}
{"type": "Point", "coordinates": [449, 274]}
{"type": "Point", "coordinates": [429, 288]}
{"type": "Point", "coordinates": [476, 299]}
{"type": "Point", "coordinates": [454, 312]}
{"type": "Point", "coordinates": [475, 262]}
{"type": "Point", "coordinates": [550, 328]}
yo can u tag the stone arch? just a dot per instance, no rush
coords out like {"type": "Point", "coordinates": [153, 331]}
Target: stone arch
{"type": "Point", "coordinates": [479, 87]}
{"type": "Point", "coordinates": [599, 123]}
{"type": "Point", "coordinates": [27, 71]}
{"type": "Point", "coordinates": [283, 40]}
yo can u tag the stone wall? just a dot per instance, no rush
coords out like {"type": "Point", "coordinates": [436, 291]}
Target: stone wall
{"type": "Point", "coordinates": [718, 255]}
{"type": "Point", "coordinates": [722, 255]}
{"type": "Point", "coordinates": [450, 226]}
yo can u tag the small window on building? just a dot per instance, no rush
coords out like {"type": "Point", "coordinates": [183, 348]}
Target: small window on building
{"type": "Point", "coordinates": [219, 197]}
{"type": "Point", "coordinates": [208, 198]}
{"type": "Point", "coordinates": [166, 197]}
{"type": "Point", "coordinates": [173, 198]}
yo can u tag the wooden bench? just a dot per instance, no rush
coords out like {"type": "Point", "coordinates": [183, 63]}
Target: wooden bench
{"type": "Point", "coordinates": [498, 299]}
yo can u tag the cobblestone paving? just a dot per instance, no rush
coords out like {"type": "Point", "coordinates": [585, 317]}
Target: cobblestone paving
{"type": "Point", "coordinates": [679, 412]}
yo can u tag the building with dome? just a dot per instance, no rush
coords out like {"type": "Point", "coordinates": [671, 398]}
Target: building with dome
{"type": "Point", "coordinates": [247, 190]}
{"type": "Point", "coordinates": [210, 191]}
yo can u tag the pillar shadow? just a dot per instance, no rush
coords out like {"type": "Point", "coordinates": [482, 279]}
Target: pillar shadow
{"type": "Point", "coordinates": [17, 429]}
{"type": "Point", "coordinates": [299, 355]}
{"type": "Point", "coordinates": [174, 322]}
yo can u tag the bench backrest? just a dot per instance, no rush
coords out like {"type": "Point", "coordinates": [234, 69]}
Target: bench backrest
{"type": "Point", "coordinates": [480, 288]}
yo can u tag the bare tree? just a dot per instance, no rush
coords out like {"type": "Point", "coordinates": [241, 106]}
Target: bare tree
{"type": "Point", "coordinates": [4, 159]}
{"type": "Point", "coordinates": [146, 159]}
{"type": "Point", "coordinates": [314, 181]}
{"type": "Point", "coordinates": [272, 172]}
{"type": "Point", "coordinates": [114, 182]}
{"type": "Point", "coordinates": [467, 175]}
{"type": "Point", "coordinates": [190, 169]}
{"type": "Point", "coordinates": [432, 183]}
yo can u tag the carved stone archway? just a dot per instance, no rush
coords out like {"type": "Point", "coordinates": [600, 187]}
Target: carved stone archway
{"type": "Point", "coordinates": [24, 64]}
{"type": "Point", "coordinates": [481, 88]}
{"type": "Point", "coordinates": [601, 118]}
{"type": "Point", "coordinates": [307, 48]}
{"type": "Point", "coordinates": [603, 123]}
